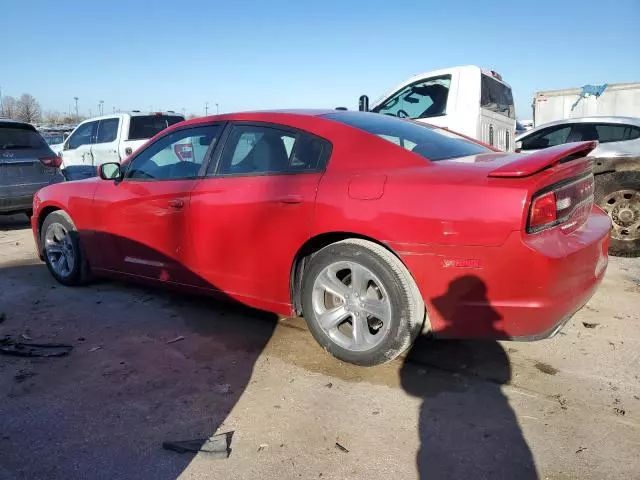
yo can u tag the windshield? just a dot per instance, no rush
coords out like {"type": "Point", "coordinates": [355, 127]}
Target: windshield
{"type": "Point", "coordinates": [424, 99]}
{"type": "Point", "coordinates": [496, 97]}
{"type": "Point", "coordinates": [19, 138]}
{"type": "Point", "coordinates": [144, 127]}
{"type": "Point", "coordinates": [429, 142]}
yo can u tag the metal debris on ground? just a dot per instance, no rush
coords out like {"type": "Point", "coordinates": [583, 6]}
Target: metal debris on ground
{"type": "Point", "coordinates": [216, 447]}
{"type": "Point", "coordinates": [341, 448]}
{"type": "Point", "coordinates": [589, 325]}
{"type": "Point", "coordinates": [177, 339]}
{"type": "Point", "coordinates": [581, 449]}
{"type": "Point", "coordinates": [9, 346]}
{"type": "Point", "coordinates": [95, 349]}
{"type": "Point", "coordinates": [24, 336]}
{"type": "Point", "coordinates": [262, 446]}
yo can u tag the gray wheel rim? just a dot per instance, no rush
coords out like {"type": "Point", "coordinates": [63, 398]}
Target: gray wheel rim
{"type": "Point", "coordinates": [59, 250]}
{"type": "Point", "coordinates": [352, 306]}
{"type": "Point", "coordinates": [623, 206]}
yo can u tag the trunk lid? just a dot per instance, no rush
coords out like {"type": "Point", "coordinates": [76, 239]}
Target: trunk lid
{"type": "Point", "coordinates": [520, 165]}
{"type": "Point", "coordinates": [21, 148]}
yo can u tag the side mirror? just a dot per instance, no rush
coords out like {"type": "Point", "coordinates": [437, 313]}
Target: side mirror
{"type": "Point", "coordinates": [518, 146]}
{"type": "Point", "coordinates": [363, 103]}
{"type": "Point", "coordinates": [110, 171]}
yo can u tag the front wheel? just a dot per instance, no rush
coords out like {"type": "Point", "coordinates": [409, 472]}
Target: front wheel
{"type": "Point", "coordinates": [62, 250]}
{"type": "Point", "coordinates": [618, 194]}
{"type": "Point", "coordinates": [361, 303]}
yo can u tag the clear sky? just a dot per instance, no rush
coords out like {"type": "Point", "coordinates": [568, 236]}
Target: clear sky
{"type": "Point", "coordinates": [281, 54]}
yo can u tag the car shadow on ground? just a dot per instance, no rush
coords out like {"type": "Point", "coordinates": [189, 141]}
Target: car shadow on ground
{"type": "Point", "coordinates": [148, 366]}
{"type": "Point", "coordinates": [18, 221]}
{"type": "Point", "coordinates": [467, 428]}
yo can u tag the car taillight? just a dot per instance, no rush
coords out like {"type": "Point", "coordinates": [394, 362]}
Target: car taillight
{"type": "Point", "coordinates": [52, 161]}
{"type": "Point", "coordinates": [566, 205]}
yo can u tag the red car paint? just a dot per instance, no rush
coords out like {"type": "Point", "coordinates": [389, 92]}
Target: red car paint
{"type": "Point", "coordinates": [458, 225]}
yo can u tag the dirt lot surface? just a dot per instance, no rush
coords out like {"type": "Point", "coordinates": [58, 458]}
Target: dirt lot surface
{"type": "Point", "coordinates": [563, 408]}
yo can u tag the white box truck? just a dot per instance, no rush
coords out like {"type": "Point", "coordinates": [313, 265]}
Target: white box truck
{"type": "Point", "coordinates": [616, 99]}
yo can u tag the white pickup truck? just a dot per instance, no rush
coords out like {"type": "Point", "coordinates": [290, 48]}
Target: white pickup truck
{"type": "Point", "coordinates": [112, 138]}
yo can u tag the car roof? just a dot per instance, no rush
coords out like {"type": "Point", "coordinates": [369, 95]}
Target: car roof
{"type": "Point", "coordinates": [9, 122]}
{"type": "Point", "coordinates": [595, 119]}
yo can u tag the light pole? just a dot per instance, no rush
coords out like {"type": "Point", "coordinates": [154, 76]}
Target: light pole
{"type": "Point", "coordinates": [77, 116]}
{"type": "Point", "coordinates": [217, 109]}
{"type": "Point", "coordinates": [101, 107]}
{"type": "Point", "coordinates": [206, 108]}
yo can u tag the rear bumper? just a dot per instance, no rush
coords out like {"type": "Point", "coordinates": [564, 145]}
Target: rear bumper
{"type": "Point", "coordinates": [527, 289]}
{"type": "Point", "coordinates": [19, 198]}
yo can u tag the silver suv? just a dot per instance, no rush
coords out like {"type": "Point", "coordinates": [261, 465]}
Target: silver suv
{"type": "Point", "coordinates": [26, 165]}
{"type": "Point", "coordinates": [617, 169]}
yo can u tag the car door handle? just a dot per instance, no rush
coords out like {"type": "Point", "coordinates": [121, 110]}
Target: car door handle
{"type": "Point", "coordinates": [290, 199]}
{"type": "Point", "coordinates": [177, 204]}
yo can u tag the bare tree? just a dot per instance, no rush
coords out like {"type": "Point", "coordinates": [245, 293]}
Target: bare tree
{"type": "Point", "coordinates": [52, 116]}
{"type": "Point", "coordinates": [9, 107]}
{"type": "Point", "coordinates": [28, 108]}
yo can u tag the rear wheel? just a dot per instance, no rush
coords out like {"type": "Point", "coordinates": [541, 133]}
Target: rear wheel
{"type": "Point", "coordinates": [618, 193]}
{"type": "Point", "coordinates": [361, 303]}
{"type": "Point", "coordinates": [62, 250]}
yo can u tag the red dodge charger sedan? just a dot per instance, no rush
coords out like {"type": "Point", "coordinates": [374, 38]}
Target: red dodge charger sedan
{"type": "Point", "coordinates": [372, 228]}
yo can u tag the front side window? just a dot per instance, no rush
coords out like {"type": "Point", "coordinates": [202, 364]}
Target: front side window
{"type": "Point", "coordinates": [496, 97]}
{"type": "Point", "coordinates": [107, 130]}
{"type": "Point", "coordinates": [431, 143]}
{"type": "Point", "coordinates": [427, 98]}
{"type": "Point", "coordinates": [259, 150]}
{"type": "Point", "coordinates": [84, 135]}
{"type": "Point", "coordinates": [176, 156]}
{"type": "Point", "coordinates": [549, 137]}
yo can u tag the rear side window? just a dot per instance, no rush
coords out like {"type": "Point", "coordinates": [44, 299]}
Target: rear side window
{"type": "Point", "coordinates": [107, 130]}
{"type": "Point", "coordinates": [143, 127]}
{"type": "Point", "coordinates": [616, 132]}
{"type": "Point", "coordinates": [20, 137]}
{"type": "Point", "coordinates": [496, 97]}
{"type": "Point", "coordinates": [431, 143]}
{"type": "Point", "coordinates": [424, 99]}
{"type": "Point", "coordinates": [260, 150]}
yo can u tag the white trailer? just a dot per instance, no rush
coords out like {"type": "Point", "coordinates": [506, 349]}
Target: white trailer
{"type": "Point", "coordinates": [616, 99]}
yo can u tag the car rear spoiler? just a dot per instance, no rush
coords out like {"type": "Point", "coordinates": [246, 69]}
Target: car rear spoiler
{"type": "Point", "coordinates": [526, 165]}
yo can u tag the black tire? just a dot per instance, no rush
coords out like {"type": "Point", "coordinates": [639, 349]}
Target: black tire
{"type": "Point", "coordinates": [80, 273]}
{"type": "Point", "coordinates": [407, 306]}
{"type": "Point", "coordinates": [606, 186]}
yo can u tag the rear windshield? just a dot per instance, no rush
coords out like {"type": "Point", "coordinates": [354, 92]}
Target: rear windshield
{"type": "Point", "coordinates": [431, 143]}
{"type": "Point", "coordinates": [496, 97]}
{"type": "Point", "coordinates": [20, 138]}
{"type": "Point", "coordinates": [146, 126]}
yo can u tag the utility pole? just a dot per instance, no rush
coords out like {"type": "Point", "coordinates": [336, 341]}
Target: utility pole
{"type": "Point", "coordinates": [101, 107]}
{"type": "Point", "coordinates": [217, 109]}
{"type": "Point", "coordinates": [77, 116]}
{"type": "Point", "coordinates": [206, 108]}
{"type": "Point", "coordinates": [114, 109]}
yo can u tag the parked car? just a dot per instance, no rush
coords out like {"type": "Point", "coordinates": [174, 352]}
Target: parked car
{"type": "Point", "coordinates": [467, 99]}
{"type": "Point", "coordinates": [26, 164]}
{"type": "Point", "coordinates": [111, 138]}
{"type": "Point", "coordinates": [371, 227]}
{"type": "Point", "coordinates": [617, 169]}
{"type": "Point", "coordinates": [520, 128]}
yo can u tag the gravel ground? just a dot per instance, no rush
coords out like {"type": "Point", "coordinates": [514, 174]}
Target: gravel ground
{"type": "Point", "coordinates": [563, 408]}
